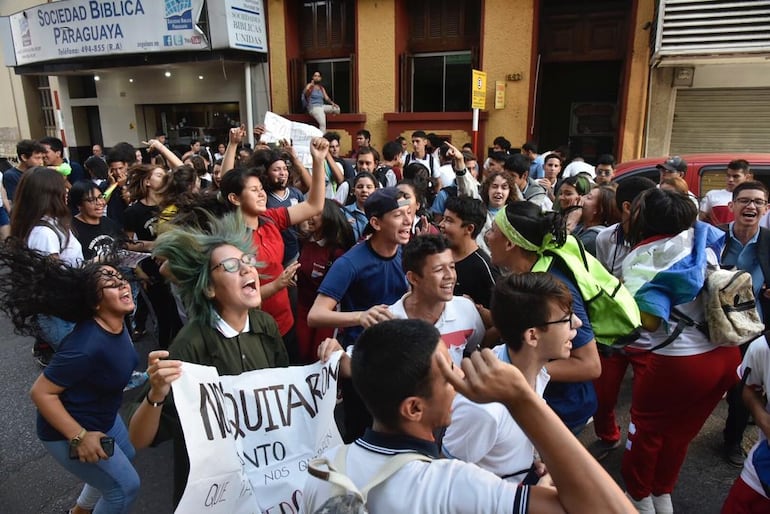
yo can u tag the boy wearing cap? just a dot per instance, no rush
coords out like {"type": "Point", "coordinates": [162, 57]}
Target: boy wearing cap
{"type": "Point", "coordinates": [363, 282]}
{"type": "Point", "coordinates": [675, 167]}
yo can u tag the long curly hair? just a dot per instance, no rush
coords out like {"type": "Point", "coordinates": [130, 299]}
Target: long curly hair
{"type": "Point", "coordinates": [188, 252]}
{"type": "Point", "coordinates": [38, 284]}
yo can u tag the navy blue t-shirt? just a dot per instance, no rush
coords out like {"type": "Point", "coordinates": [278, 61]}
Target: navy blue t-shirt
{"type": "Point", "coordinates": [574, 402]}
{"type": "Point", "coordinates": [360, 279]}
{"type": "Point", "coordinates": [290, 241]}
{"type": "Point", "coordinates": [93, 366]}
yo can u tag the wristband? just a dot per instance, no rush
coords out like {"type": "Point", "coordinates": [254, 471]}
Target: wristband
{"type": "Point", "coordinates": [461, 172]}
{"type": "Point", "coordinates": [75, 441]}
{"type": "Point", "coordinates": [152, 403]}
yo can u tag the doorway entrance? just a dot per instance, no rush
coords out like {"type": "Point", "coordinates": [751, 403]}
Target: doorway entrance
{"type": "Point", "coordinates": [582, 49]}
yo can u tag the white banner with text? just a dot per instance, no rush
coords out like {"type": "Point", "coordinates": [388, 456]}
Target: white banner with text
{"type": "Point", "coordinates": [250, 436]}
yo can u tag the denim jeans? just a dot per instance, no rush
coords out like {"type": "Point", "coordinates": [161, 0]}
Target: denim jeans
{"type": "Point", "coordinates": [53, 330]}
{"type": "Point", "coordinates": [115, 478]}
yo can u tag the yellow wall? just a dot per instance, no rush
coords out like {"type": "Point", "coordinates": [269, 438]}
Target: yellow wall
{"type": "Point", "coordinates": [279, 73]}
{"type": "Point", "coordinates": [636, 105]}
{"type": "Point", "coordinates": [507, 48]}
{"type": "Point", "coordinates": [376, 62]}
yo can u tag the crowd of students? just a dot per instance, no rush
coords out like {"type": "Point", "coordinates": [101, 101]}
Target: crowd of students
{"type": "Point", "coordinates": [412, 261]}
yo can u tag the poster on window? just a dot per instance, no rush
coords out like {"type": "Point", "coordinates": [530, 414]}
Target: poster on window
{"type": "Point", "coordinates": [250, 436]}
{"type": "Point", "coordinates": [593, 119]}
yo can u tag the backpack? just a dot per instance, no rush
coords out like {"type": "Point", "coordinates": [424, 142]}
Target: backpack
{"type": "Point", "coordinates": [353, 501]}
{"type": "Point", "coordinates": [731, 309]}
{"type": "Point", "coordinates": [381, 174]}
{"type": "Point", "coordinates": [611, 308]}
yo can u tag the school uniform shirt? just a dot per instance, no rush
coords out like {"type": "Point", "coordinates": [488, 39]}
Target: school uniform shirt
{"type": "Point", "coordinates": [443, 486]}
{"type": "Point", "coordinates": [758, 359]}
{"type": "Point", "coordinates": [716, 204]}
{"type": "Point", "coordinates": [459, 324]}
{"type": "Point", "coordinates": [47, 241]}
{"type": "Point", "coordinates": [292, 196]}
{"type": "Point", "coordinates": [487, 435]}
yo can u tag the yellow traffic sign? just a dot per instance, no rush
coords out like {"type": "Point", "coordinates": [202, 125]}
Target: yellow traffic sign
{"type": "Point", "coordinates": [479, 90]}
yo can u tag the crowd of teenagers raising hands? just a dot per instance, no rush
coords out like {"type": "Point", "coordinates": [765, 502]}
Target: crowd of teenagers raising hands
{"type": "Point", "coordinates": [418, 265]}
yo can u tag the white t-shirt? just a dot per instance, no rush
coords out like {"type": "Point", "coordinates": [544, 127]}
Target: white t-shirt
{"type": "Point", "coordinates": [435, 173]}
{"type": "Point", "coordinates": [459, 324]}
{"type": "Point", "coordinates": [758, 359]}
{"type": "Point", "coordinates": [48, 241]}
{"type": "Point", "coordinates": [716, 204]}
{"type": "Point", "coordinates": [443, 486]}
{"type": "Point", "coordinates": [447, 174]}
{"type": "Point", "coordinates": [488, 436]}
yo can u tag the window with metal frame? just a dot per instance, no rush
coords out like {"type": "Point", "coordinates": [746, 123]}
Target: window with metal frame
{"type": "Point", "coordinates": [327, 44]}
{"type": "Point", "coordinates": [336, 74]}
{"type": "Point", "coordinates": [46, 105]}
{"type": "Point", "coordinates": [443, 48]}
{"type": "Point", "coordinates": [441, 82]}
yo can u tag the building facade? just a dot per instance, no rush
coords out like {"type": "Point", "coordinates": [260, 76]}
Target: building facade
{"type": "Point", "coordinates": [628, 77]}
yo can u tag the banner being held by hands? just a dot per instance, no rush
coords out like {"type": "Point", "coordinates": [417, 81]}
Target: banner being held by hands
{"type": "Point", "coordinates": [298, 135]}
{"type": "Point", "coordinates": [250, 436]}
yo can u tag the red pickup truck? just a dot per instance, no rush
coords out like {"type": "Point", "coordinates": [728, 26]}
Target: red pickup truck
{"type": "Point", "coordinates": [705, 171]}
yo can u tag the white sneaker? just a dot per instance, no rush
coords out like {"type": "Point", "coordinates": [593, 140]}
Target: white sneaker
{"type": "Point", "coordinates": [663, 504]}
{"type": "Point", "coordinates": [643, 506]}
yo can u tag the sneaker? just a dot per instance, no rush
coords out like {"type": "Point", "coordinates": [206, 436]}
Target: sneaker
{"type": "Point", "coordinates": [734, 454]}
{"type": "Point", "coordinates": [137, 379]}
{"type": "Point", "coordinates": [643, 506]}
{"type": "Point", "coordinates": [663, 504]}
{"type": "Point", "coordinates": [42, 353]}
{"type": "Point", "coordinates": [600, 448]}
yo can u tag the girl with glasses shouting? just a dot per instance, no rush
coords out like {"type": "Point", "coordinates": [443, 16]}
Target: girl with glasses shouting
{"type": "Point", "coordinates": [217, 276]}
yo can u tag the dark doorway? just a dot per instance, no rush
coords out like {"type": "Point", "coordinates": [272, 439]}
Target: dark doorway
{"type": "Point", "coordinates": [582, 51]}
{"type": "Point", "coordinates": [578, 107]}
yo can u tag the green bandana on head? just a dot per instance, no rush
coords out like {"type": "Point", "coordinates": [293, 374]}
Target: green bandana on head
{"type": "Point", "coordinates": [513, 235]}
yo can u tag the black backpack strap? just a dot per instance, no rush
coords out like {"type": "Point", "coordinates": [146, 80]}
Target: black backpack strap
{"type": "Point", "coordinates": [682, 321]}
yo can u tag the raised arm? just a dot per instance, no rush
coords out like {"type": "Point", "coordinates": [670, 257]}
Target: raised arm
{"type": "Point", "coordinates": [235, 137]}
{"type": "Point", "coordinates": [314, 204]}
{"type": "Point", "coordinates": [296, 164]}
{"type": "Point", "coordinates": [582, 484]}
{"type": "Point", "coordinates": [171, 159]}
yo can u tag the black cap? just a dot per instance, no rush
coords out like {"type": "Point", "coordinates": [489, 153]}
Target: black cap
{"type": "Point", "coordinates": [381, 202]}
{"type": "Point", "coordinates": [674, 164]}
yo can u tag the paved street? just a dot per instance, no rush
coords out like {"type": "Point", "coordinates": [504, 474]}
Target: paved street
{"type": "Point", "coordinates": [31, 482]}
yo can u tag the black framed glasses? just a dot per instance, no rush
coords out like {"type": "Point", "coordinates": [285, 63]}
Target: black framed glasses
{"type": "Point", "coordinates": [568, 319]}
{"type": "Point", "coordinates": [603, 173]}
{"type": "Point", "coordinates": [745, 201]}
{"type": "Point", "coordinates": [93, 199]}
{"type": "Point", "coordinates": [233, 264]}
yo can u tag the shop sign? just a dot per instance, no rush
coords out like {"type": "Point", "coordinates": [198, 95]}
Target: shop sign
{"type": "Point", "coordinates": [238, 24]}
{"type": "Point", "coordinates": [71, 29]}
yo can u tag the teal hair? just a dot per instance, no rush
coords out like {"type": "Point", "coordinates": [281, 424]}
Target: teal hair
{"type": "Point", "coordinates": [188, 252]}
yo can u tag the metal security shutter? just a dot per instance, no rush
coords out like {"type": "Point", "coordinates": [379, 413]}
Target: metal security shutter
{"type": "Point", "coordinates": [721, 120]}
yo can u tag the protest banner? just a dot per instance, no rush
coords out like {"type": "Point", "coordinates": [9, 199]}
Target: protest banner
{"type": "Point", "coordinates": [278, 128]}
{"type": "Point", "coordinates": [250, 436]}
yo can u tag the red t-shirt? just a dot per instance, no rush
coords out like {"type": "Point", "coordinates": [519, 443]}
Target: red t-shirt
{"type": "Point", "coordinates": [269, 245]}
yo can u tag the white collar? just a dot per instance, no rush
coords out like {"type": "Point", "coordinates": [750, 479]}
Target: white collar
{"type": "Point", "coordinates": [226, 330]}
